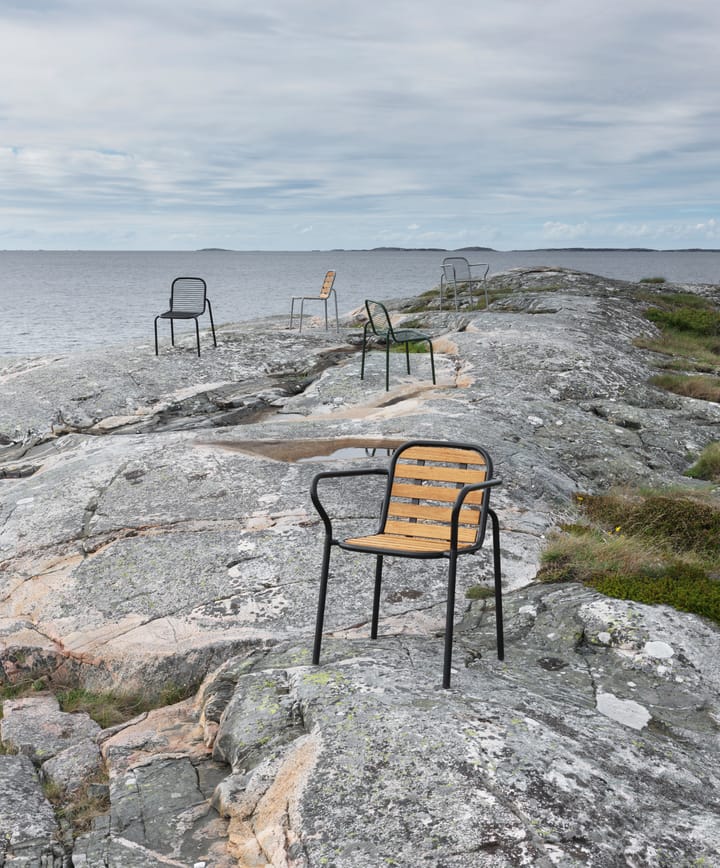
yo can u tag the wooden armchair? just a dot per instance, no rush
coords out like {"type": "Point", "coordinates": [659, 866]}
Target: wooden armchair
{"type": "Point", "coordinates": [436, 505]}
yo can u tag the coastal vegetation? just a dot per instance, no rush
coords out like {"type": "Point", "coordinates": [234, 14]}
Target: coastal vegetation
{"type": "Point", "coordinates": [689, 338]}
{"type": "Point", "coordinates": [107, 708]}
{"type": "Point", "coordinates": [708, 464]}
{"type": "Point", "coordinates": [652, 546]}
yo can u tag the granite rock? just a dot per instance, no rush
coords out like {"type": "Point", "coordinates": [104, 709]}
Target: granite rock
{"type": "Point", "coordinates": [156, 529]}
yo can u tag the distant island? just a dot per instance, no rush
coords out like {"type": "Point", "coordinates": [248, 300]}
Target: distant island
{"type": "Point", "coordinates": [474, 249]}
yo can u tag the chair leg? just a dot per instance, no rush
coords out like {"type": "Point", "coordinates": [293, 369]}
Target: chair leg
{"type": "Point", "coordinates": [449, 619]}
{"type": "Point", "coordinates": [498, 585]}
{"type": "Point", "coordinates": [212, 324]}
{"type": "Point", "coordinates": [321, 600]}
{"type": "Point", "coordinates": [292, 311]}
{"type": "Point", "coordinates": [387, 363]}
{"type": "Point", "coordinates": [362, 362]}
{"type": "Point", "coordinates": [432, 362]}
{"type": "Point", "coordinates": [156, 337]}
{"type": "Point", "coordinates": [302, 305]}
{"type": "Point", "coordinates": [172, 333]}
{"type": "Point", "coordinates": [407, 356]}
{"type": "Point", "coordinates": [376, 597]}
{"type": "Point", "coordinates": [326, 319]}
{"type": "Point", "coordinates": [197, 335]}
{"type": "Point", "coordinates": [337, 318]}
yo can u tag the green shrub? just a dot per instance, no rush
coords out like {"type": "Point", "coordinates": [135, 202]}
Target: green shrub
{"type": "Point", "coordinates": [708, 464]}
{"type": "Point", "coordinates": [700, 321]}
{"type": "Point", "coordinates": [652, 280]}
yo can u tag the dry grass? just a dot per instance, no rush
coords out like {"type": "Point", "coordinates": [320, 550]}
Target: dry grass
{"type": "Point", "coordinates": [706, 388]}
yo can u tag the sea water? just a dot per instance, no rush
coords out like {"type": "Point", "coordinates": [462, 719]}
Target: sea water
{"type": "Point", "coordinates": [55, 302]}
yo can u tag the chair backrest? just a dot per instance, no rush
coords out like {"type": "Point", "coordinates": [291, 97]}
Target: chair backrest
{"type": "Point", "coordinates": [187, 295]}
{"type": "Point", "coordinates": [424, 481]}
{"type": "Point", "coordinates": [456, 269]}
{"type": "Point", "coordinates": [379, 319]}
{"type": "Point", "coordinates": [327, 284]}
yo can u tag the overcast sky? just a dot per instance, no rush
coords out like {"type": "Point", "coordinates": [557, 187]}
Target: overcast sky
{"type": "Point", "coordinates": [315, 124]}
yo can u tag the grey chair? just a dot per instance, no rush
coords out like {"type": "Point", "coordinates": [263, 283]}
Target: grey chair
{"type": "Point", "coordinates": [326, 291]}
{"type": "Point", "coordinates": [437, 504]}
{"type": "Point", "coordinates": [457, 273]}
{"type": "Point", "coordinates": [188, 300]}
{"type": "Point", "coordinates": [380, 325]}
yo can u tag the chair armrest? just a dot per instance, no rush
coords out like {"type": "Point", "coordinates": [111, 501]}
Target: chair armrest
{"type": "Point", "coordinates": [460, 500]}
{"type": "Point", "coordinates": [481, 265]}
{"type": "Point", "coordinates": [335, 474]}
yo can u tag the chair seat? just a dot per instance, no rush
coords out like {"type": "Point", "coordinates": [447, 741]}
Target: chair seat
{"type": "Point", "coordinates": [408, 546]}
{"type": "Point", "coordinates": [402, 335]}
{"type": "Point", "coordinates": [179, 314]}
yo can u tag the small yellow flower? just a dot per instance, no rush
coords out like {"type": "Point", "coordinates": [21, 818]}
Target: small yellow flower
{"type": "Point", "coordinates": [617, 529]}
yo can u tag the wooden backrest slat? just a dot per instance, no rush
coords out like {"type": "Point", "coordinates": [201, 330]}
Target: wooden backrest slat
{"type": "Point", "coordinates": [450, 454]}
{"type": "Point", "coordinates": [429, 531]}
{"type": "Point", "coordinates": [327, 284]}
{"type": "Point", "coordinates": [438, 473]}
{"type": "Point", "coordinates": [442, 493]}
{"type": "Point", "coordinates": [426, 512]}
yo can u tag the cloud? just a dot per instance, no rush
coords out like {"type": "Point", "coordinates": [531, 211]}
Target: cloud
{"type": "Point", "coordinates": [515, 123]}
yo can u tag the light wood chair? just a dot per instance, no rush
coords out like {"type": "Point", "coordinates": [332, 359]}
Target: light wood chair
{"type": "Point", "coordinates": [326, 291]}
{"type": "Point", "coordinates": [436, 505]}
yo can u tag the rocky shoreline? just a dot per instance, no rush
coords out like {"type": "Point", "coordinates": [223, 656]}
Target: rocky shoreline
{"type": "Point", "coordinates": [156, 529]}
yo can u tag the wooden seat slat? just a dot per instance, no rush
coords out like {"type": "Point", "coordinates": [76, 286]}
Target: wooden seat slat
{"type": "Point", "coordinates": [429, 531]}
{"type": "Point", "coordinates": [399, 543]}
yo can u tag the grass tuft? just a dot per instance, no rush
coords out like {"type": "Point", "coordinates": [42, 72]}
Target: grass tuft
{"type": "Point", "coordinates": [708, 464]}
{"type": "Point", "coordinates": [649, 546]}
{"type": "Point", "coordinates": [706, 388]}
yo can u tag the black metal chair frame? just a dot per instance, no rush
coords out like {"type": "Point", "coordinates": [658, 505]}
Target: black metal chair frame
{"type": "Point", "coordinates": [185, 303]}
{"type": "Point", "coordinates": [449, 277]}
{"type": "Point", "coordinates": [414, 549]}
{"type": "Point", "coordinates": [326, 291]}
{"type": "Point", "coordinates": [391, 336]}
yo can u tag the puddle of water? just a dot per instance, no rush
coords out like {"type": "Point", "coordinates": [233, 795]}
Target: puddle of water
{"type": "Point", "coordinates": [350, 452]}
{"type": "Point", "coordinates": [331, 449]}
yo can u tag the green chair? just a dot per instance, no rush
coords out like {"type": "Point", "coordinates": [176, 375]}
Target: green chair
{"type": "Point", "coordinates": [381, 327]}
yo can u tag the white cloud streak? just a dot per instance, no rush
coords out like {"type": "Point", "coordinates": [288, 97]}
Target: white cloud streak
{"type": "Point", "coordinates": [164, 124]}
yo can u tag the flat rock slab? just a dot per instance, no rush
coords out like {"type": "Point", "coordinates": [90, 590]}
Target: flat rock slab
{"type": "Point", "coordinates": [28, 828]}
{"type": "Point", "coordinates": [36, 727]}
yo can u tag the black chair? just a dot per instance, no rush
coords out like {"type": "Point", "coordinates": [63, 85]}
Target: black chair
{"type": "Point", "coordinates": [326, 290]}
{"type": "Point", "coordinates": [188, 300]}
{"type": "Point", "coordinates": [380, 325]}
{"type": "Point", "coordinates": [437, 503]}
